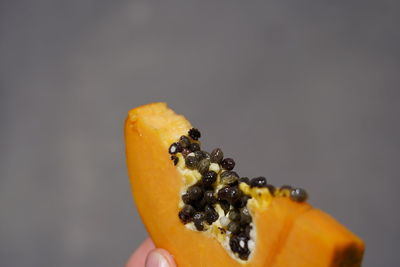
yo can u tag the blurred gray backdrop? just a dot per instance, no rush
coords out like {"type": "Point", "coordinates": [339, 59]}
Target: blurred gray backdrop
{"type": "Point", "coordinates": [303, 92]}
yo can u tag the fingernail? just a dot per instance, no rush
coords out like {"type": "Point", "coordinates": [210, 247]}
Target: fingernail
{"type": "Point", "coordinates": [155, 259]}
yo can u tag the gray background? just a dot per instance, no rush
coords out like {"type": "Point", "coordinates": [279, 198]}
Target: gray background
{"type": "Point", "coordinates": [304, 92]}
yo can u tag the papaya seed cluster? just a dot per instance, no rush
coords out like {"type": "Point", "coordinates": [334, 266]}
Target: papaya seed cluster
{"type": "Point", "coordinates": [218, 189]}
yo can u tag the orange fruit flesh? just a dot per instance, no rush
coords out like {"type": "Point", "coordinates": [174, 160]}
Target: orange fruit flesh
{"type": "Point", "coordinates": [287, 233]}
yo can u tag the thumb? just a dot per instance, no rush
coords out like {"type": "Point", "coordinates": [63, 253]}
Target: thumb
{"type": "Point", "coordinates": [159, 258]}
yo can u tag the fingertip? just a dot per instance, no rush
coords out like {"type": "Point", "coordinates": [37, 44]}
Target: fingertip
{"type": "Point", "coordinates": [138, 258]}
{"type": "Point", "coordinates": [159, 258]}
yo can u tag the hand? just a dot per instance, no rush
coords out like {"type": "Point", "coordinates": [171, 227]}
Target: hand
{"type": "Point", "coordinates": [149, 256]}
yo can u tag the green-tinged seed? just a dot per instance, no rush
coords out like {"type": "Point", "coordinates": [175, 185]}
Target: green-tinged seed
{"type": "Point", "coordinates": [200, 154]}
{"type": "Point", "coordinates": [233, 227]}
{"type": "Point", "coordinates": [245, 216]}
{"type": "Point", "coordinates": [217, 155]}
{"type": "Point", "coordinates": [229, 177]}
{"type": "Point", "coordinates": [234, 215]}
{"type": "Point", "coordinates": [204, 165]}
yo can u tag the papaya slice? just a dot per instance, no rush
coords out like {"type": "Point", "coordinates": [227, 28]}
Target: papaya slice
{"type": "Point", "coordinates": [194, 205]}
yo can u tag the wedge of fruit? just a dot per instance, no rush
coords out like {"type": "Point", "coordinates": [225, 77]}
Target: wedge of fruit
{"type": "Point", "coordinates": [196, 205]}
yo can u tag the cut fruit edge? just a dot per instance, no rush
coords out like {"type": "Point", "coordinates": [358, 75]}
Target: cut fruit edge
{"type": "Point", "coordinates": [285, 230]}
